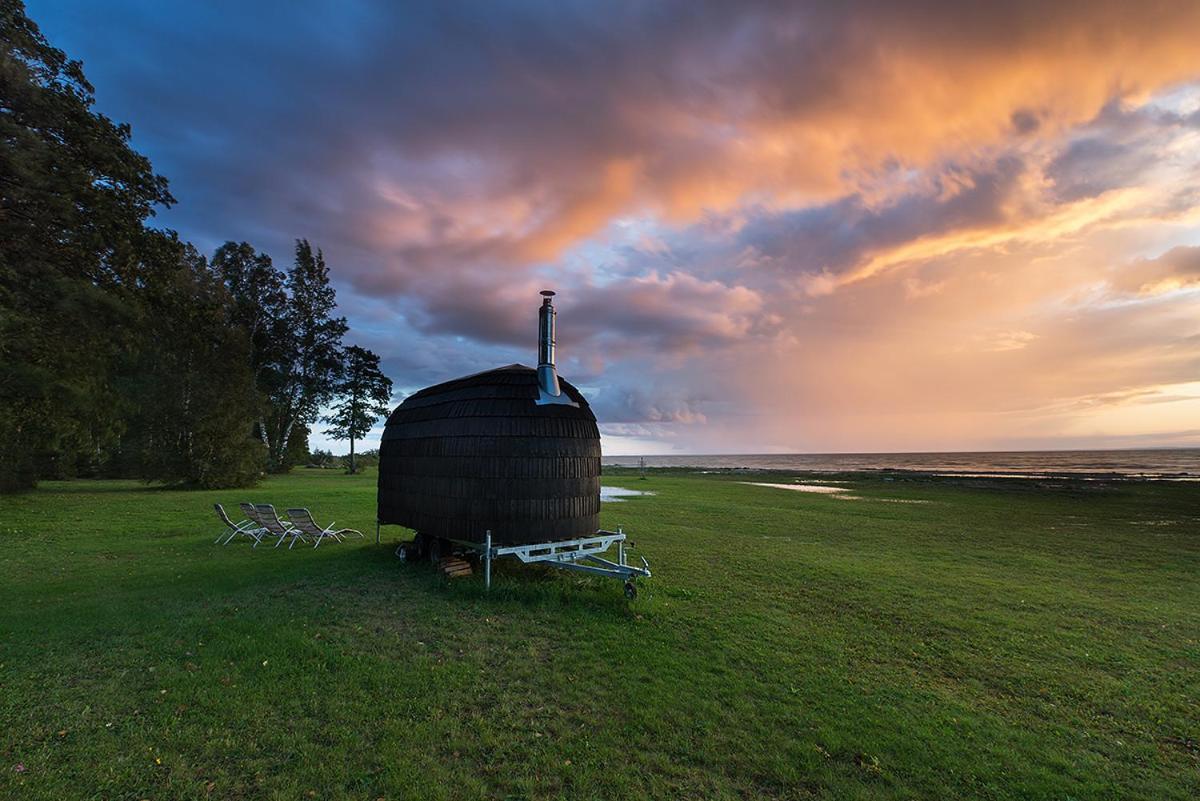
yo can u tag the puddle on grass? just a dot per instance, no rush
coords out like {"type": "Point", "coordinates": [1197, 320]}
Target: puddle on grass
{"type": "Point", "coordinates": [619, 494]}
{"type": "Point", "coordinates": [821, 488]}
{"type": "Point", "coordinates": [836, 492]}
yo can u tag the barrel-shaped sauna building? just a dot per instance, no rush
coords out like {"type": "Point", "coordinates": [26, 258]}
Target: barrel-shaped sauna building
{"type": "Point", "coordinates": [513, 451]}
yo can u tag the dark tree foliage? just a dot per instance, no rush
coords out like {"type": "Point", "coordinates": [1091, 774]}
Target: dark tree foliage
{"type": "Point", "coordinates": [297, 448]}
{"type": "Point", "coordinates": [73, 201]}
{"type": "Point", "coordinates": [260, 308]}
{"type": "Point", "coordinates": [322, 458]}
{"type": "Point", "coordinates": [191, 396]}
{"type": "Point", "coordinates": [260, 302]}
{"type": "Point", "coordinates": [310, 360]}
{"type": "Point", "coordinates": [363, 393]}
{"type": "Point", "coordinates": [296, 341]}
{"type": "Point", "coordinates": [122, 350]}
{"type": "Point", "coordinates": [367, 458]}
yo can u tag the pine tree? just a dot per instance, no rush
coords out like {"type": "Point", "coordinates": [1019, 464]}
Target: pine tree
{"type": "Point", "coordinates": [310, 359]}
{"type": "Point", "coordinates": [297, 449]}
{"type": "Point", "coordinates": [364, 393]}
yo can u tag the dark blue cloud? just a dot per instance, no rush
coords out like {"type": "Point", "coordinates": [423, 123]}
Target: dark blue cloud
{"type": "Point", "coordinates": [1114, 150]}
{"type": "Point", "coordinates": [842, 234]}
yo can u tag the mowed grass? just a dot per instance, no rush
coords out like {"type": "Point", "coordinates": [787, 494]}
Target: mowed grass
{"type": "Point", "coordinates": [997, 640]}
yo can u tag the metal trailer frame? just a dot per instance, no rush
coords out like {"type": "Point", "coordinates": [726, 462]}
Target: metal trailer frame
{"type": "Point", "coordinates": [581, 554]}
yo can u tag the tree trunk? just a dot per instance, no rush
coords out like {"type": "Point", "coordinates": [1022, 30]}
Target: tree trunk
{"type": "Point", "coordinates": [352, 471]}
{"type": "Point", "coordinates": [279, 441]}
{"type": "Point", "coordinates": [286, 437]}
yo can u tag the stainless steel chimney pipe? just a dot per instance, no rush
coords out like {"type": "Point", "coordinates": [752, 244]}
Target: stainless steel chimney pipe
{"type": "Point", "coordinates": [547, 376]}
{"type": "Point", "coordinates": [548, 389]}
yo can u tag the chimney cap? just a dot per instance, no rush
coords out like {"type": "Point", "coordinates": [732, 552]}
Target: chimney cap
{"type": "Point", "coordinates": [547, 293]}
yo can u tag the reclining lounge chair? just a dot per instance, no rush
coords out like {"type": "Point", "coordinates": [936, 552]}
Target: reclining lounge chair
{"type": "Point", "coordinates": [302, 519]}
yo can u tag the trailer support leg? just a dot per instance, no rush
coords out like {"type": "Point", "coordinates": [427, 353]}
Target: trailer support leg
{"type": "Point", "coordinates": [487, 561]}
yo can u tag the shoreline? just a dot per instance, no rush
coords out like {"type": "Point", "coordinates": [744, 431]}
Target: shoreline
{"type": "Point", "coordinates": [885, 472]}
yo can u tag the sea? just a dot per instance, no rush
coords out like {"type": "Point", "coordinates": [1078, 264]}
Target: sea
{"type": "Point", "coordinates": [1181, 464]}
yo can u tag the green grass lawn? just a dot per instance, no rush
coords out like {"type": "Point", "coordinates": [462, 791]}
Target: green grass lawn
{"type": "Point", "coordinates": [997, 640]}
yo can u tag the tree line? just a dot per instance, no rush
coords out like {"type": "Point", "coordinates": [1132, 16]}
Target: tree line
{"type": "Point", "coordinates": [124, 351]}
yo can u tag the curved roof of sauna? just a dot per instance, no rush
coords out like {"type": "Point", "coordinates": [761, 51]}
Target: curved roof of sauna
{"type": "Point", "coordinates": [491, 403]}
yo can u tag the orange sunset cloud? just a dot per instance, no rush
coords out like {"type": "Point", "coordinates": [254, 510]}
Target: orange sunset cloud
{"type": "Point", "coordinates": [801, 227]}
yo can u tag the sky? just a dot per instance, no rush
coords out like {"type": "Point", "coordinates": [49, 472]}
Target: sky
{"type": "Point", "coordinates": [773, 227]}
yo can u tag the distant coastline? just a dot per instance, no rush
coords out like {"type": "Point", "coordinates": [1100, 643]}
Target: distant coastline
{"type": "Point", "coordinates": [1158, 463]}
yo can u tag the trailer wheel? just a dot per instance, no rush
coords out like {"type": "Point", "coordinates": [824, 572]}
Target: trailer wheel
{"type": "Point", "coordinates": [418, 549]}
{"type": "Point", "coordinates": [435, 549]}
{"type": "Point", "coordinates": [402, 552]}
{"type": "Point", "coordinates": [630, 590]}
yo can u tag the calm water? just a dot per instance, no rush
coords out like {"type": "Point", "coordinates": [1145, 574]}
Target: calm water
{"type": "Point", "coordinates": [1174, 463]}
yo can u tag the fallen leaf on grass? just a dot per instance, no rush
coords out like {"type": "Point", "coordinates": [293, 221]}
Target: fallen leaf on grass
{"type": "Point", "coordinates": [868, 763]}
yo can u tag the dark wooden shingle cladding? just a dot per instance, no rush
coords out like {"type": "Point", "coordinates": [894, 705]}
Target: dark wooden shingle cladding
{"type": "Point", "coordinates": [478, 454]}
